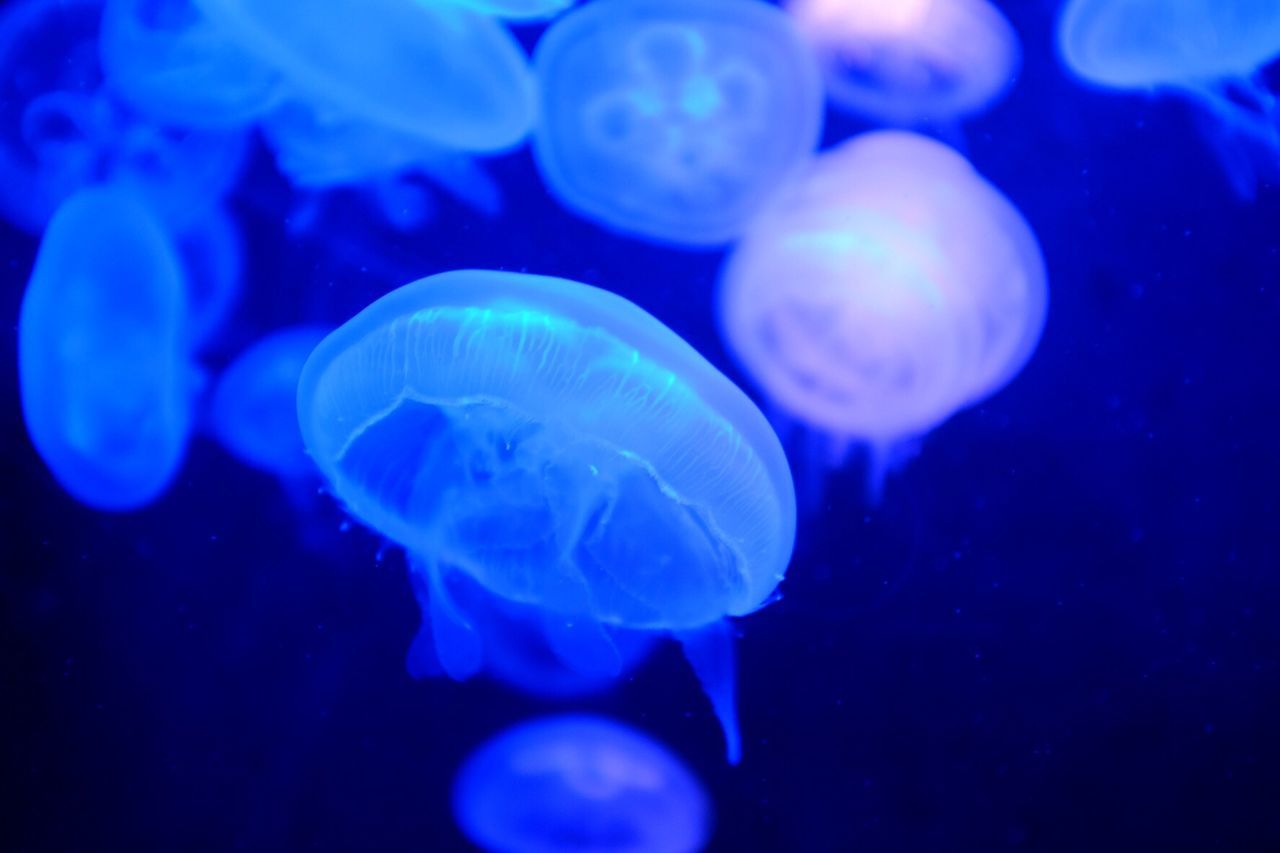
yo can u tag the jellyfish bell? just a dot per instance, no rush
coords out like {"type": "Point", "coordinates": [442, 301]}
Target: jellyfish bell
{"type": "Point", "coordinates": [911, 62]}
{"type": "Point", "coordinates": [521, 11]}
{"type": "Point", "coordinates": [106, 376]}
{"type": "Point", "coordinates": [658, 118]}
{"type": "Point", "coordinates": [579, 782]}
{"type": "Point", "coordinates": [1213, 51]}
{"type": "Point", "coordinates": [564, 449]}
{"type": "Point", "coordinates": [431, 70]}
{"type": "Point", "coordinates": [881, 292]}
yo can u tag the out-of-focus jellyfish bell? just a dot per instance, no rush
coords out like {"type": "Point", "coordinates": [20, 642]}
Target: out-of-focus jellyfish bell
{"type": "Point", "coordinates": [566, 450]}
{"type": "Point", "coordinates": [911, 62]}
{"type": "Point", "coordinates": [1211, 50]}
{"type": "Point", "coordinates": [434, 71]}
{"type": "Point", "coordinates": [255, 404]}
{"type": "Point", "coordinates": [516, 651]}
{"type": "Point", "coordinates": [672, 120]}
{"type": "Point", "coordinates": [213, 256]}
{"type": "Point", "coordinates": [885, 290]}
{"type": "Point", "coordinates": [172, 64]}
{"type": "Point", "coordinates": [512, 10]}
{"type": "Point", "coordinates": [105, 370]}
{"type": "Point", "coordinates": [579, 783]}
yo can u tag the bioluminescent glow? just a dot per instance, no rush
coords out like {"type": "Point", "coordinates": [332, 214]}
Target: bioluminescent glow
{"type": "Point", "coordinates": [106, 377]}
{"type": "Point", "coordinates": [1210, 50]}
{"type": "Point", "coordinates": [512, 10]}
{"type": "Point", "coordinates": [886, 289]}
{"type": "Point", "coordinates": [564, 449]}
{"type": "Point", "coordinates": [168, 61]}
{"type": "Point", "coordinates": [383, 61]}
{"type": "Point", "coordinates": [255, 405]}
{"type": "Point", "coordinates": [580, 783]}
{"type": "Point", "coordinates": [911, 62]}
{"type": "Point", "coordinates": [673, 119]}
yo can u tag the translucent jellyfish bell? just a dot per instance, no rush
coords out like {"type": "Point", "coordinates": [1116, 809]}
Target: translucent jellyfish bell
{"type": "Point", "coordinates": [512, 10]}
{"type": "Point", "coordinates": [564, 449]}
{"type": "Point", "coordinates": [580, 783]}
{"type": "Point", "coordinates": [255, 404]}
{"type": "Point", "coordinates": [883, 291]}
{"type": "Point", "coordinates": [911, 62]}
{"type": "Point", "coordinates": [1212, 50]}
{"type": "Point", "coordinates": [673, 119]}
{"type": "Point", "coordinates": [431, 70]}
{"type": "Point", "coordinates": [105, 370]}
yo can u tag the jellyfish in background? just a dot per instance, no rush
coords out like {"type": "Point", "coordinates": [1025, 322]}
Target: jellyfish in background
{"type": "Point", "coordinates": [672, 120]}
{"type": "Point", "coordinates": [1213, 51]}
{"type": "Point", "coordinates": [254, 411]}
{"type": "Point", "coordinates": [883, 291]}
{"type": "Point", "coordinates": [168, 61]}
{"type": "Point", "coordinates": [579, 783]}
{"type": "Point", "coordinates": [105, 371]}
{"type": "Point", "coordinates": [910, 63]}
{"type": "Point", "coordinates": [383, 62]}
{"type": "Point", "coordinates": [512, 10]}
{"type": "Point", "coordinates": [212, 254]}
{"type": "Point", "coordinates": [516, 651]}
{"type": "Point", "coordinates": [565, 450]}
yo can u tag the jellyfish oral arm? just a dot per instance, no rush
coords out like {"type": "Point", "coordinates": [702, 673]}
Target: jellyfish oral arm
{"type": "Point", "coordinates": [710, 652]}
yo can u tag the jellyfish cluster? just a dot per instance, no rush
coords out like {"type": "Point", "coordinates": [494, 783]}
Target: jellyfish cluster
{"type": "Point", "coordinates": [571, 483]}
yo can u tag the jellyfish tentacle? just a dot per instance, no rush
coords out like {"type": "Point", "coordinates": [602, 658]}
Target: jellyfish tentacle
{"type": "Point", "coordinates": [458, 644]}
{"type": "Point", "coordinates": [422, 660]}
{"type": "Point", "coordinates": [710, 652]}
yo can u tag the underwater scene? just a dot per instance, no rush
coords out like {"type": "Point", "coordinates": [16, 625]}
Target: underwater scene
{"type": "Point", "coordinates": [640, 426]}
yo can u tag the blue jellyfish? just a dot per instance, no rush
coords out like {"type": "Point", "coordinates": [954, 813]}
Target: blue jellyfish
{"type": "Point", "coordinates": [434, 71]}
{"type": "Point", "coordinates": [579, 783]}
{"type": "Point", "coordinates": [254, 413]}
{"type": "Point", "coordinates": [171, 63]}
{"type": "Point", "coordinates": [883, 291]}
{"type": "Point", "coordinates": [564, 449]}
{"type": "Point", "coordinates": [911, 62]}
{"type": "Point", "coordinates": [512, 10]}
{"type": "Point", "coordinates": [672, 120]}
{"type": "Point", "coordinates": [213, 256]}
{"type": "Point", "coordinates": [516, 651]}
{"type": "Point", "coordinates": [105, 371]}
{"type": "Point", "coordinates": [1213, 51]}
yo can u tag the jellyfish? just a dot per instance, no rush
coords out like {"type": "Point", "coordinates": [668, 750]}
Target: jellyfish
{"type": "Point", "coordinates": [565, 450]}
{"type": "Point", "coordinates": [212, 253]}
{"type": "Point", "coordinates": [672, 120]}
{"type": "Point", "coordinates": [254, 408]}
{"type": "Point", "coordinates": [886, 289]}
{"type": "Point", "coordinates": [516, 650]}
{"type": "Point", "coordinates": [1213, 51]}
{"type": "Point", "coordinates": [512, 10]}
{"type": "Point", "coordinates": [107, 381]}
{"type": "Point", "coordinates": [909, 63]}
{"type": "Point", "coordinates": [321, 150]}
{"type": "Point", "coordinates": [171, 63]}
{"type": "Point", "coordinates": [579, 782]}
{"type": "Point", "coordinates": [433, 71]}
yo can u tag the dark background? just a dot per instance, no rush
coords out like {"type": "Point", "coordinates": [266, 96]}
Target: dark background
{"type": "Point", "coordinates": [1057, 632]}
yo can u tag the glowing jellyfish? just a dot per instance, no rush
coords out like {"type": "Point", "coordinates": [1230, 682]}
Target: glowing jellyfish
{"type": "Point", "coordinates": [106, 376]}
{"type": "Point", "coordinates": [513, 10]}
{"type": "Point", "coordinates": [255, 404]}
{"type": "Point", "coordinates": [564, 449]}
{"type": "Point", "coordinates": [516, 651]}
{"type": "Point", "coordinates": [579, 783]}
{"type": "Point", "coordinates": [213, 256]}
{"type": "Point", "coordinates": [672, 120]}
{"type": "Point", "coordinates": [1211, 50]}
{"type": "Point", "coordinates": [168, 61]}
{"type": "Point", "coordinates": [885, 290]}
{"type": "Point", "coordinates": [911, 62]}
{"type": "Point", "coordinates": [440, 73]}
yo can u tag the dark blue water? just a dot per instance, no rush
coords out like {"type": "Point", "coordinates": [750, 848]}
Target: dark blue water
{"type": "Point", "coordinates": [1058, 631]}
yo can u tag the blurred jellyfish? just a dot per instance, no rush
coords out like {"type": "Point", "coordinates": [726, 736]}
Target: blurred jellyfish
{"type": "Point", "coordinates": [105, 371]}
{"type": "Point", "coordinates": [443, 74]}
{"type": "Point", "coordinates": [322, 150]}
{"type": "Point", "coordinates": [885, 290]}
{"type": "Point", "coordinates": [516, 651]}
{"type": "Point", "coordinates": [255, 404]}
{"type": "Point", "coordinates": [1213, 51]}
{"type": "Point", "coordinates": [672, 120]}
{"type": "Point", "coordinates": [911, 62]}
{"type": "Point", "coordinates": [213, 256]}
{"type": "Point", "coordinates": [168, 61]}
{"type": "Point", "coordinates": [512, 10]}
{"type": "Point", "coordinates": [579, 783]}
{"type": "Point", "coordinates": [564, 449]}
